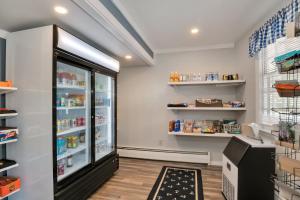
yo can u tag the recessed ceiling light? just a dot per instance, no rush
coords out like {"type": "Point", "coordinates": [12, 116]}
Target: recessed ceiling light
{"type": "Point", "coordinates": [128, 57]}
{"type": "Point", "coordinates": [194, 30]}
{"type": "Point", "coordinates": [61, 10]}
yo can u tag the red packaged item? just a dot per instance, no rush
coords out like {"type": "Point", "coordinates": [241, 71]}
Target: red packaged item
{"type": "Point", "coordinates": [8, 185]}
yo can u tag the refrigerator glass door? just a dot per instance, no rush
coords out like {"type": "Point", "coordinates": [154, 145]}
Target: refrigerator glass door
{"type": "Point", "coordinates": [104, 115]}
{"type": "Point", "coordinates": [73, 108]}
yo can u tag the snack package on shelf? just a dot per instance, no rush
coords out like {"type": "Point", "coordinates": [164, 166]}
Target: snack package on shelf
{"type": "Point", "coordinates": [197, 127]}
{"type": "Point", "coordinates": [229, 77]}
{"type": "Point", "coordinates": [200, 102]}
{"type": "Point", "coordinates": [8, 83]}
{"type": "Point", "coordinates": [232, 127]}
{"type": "Point", "coordinates": [8, 133]}
{"type": "Point", "coordinates": [8, 185]}
{"type": "Point", "coordinates": [188, 126]}
{"type": "Point", "coordinates": [177, 105]}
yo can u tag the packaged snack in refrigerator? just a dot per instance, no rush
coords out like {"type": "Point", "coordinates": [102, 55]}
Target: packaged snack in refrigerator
{"type": "Point", "coordinates": [82, 137]}
{"type": "Point", "coordinates": [60, 167]}
{"type": "Point", "coordinates": [61, 145]}
{"type": "Point", "coordinates": [70, 161]}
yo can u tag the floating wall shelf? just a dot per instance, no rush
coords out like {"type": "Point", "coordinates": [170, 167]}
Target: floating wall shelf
{"type": "Point", "coordinates": [216, 83]}
{"type": "Point", "coordinates": [220, 135]}
{"type": "Point", "coordinates": [205, 109]}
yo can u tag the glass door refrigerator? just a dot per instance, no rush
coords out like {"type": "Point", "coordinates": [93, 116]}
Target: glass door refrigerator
{"type": "Point", "coordinates": [84, 112]}
{"type": "Point", "coordinates": [73, 124]}
{"type": "Point", "coordinates": [104, 116]}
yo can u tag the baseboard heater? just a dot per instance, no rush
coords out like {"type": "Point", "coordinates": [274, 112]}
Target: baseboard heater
{"type": "Point", "coordinates": [163, 154]}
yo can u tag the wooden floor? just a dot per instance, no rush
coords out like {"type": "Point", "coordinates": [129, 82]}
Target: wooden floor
{"type": "Point", "coordinates": [135, 178]}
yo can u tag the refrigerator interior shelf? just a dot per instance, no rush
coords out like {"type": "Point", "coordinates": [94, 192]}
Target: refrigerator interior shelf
{"type": "Point", "coordinates": [98, 107]}
{"type": "Point", "coordinates": [70, 87]}
{"type": "Point", "coordinates": [70, 170]}
{"type": "Point", "coordinates": [9, 167]}
{"type": "Point", "coordinates": [99, 141]}
{"type": "Point", "coordinates": [102, 124]}
{"type": "Point", "coordinates": [9, 141]}
{"type": "Point", "coordinates": [5, 90]}
{"type": "Point", "coordinates": [18, 190]}
{"type": "Point", "coordinates": [72, 130]}
{"type": "Point", "coordinates": [72, 151]}
{"type": "Point", "coordinates": [8, 115]}
{"type": "Point", "coordinates": [71, 108]}
{"type": "Point", "coordinates": [103, 91]}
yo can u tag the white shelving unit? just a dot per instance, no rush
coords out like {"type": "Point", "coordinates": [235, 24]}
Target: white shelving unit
{"type": "Point", "coordinates": [18, 190]}
{"type": "Point", "coordinates": [206, 109]}
{"type": "Point", "coordinates": [9, 141]}
{"type": "Point", "coordinates": [220, 135]}
{"type": "Point", "coordinates": [8, 115]}
{"type": "Point", "coordinates": [10, 167]}
{"type": "Point", "coordinates": [72, 130]}
{"type": "Point", "coordinates": [5, 90]}
{"type": "Point", "coordinates": [217, 83]}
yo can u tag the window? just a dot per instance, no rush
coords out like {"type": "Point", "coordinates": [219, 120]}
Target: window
{"type": "Point", "coordinates": [268, 96]}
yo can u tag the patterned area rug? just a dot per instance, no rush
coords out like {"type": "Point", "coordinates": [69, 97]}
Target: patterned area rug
{"type": "Point", "coordinates": [177, 184]}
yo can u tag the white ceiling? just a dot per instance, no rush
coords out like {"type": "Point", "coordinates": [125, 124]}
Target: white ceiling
{"type": "Point", "coordinates": [22, 14]}
{"type": "Point", "coordinates": [165, 24]}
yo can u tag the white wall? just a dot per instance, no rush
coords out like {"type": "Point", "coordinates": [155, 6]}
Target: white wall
{"type": "Point", "coordinates": [143, 95]}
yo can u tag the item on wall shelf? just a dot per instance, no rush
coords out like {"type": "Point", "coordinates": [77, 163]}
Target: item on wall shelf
{"type": "Point", "coordinates": [232, 127]}
{"type": "Point", "coordinates": [212, 76]}
{"type": "Point", "coordinates": [234, 104]}
{"type": "Point", "coordinates": [226, 77]}
{"type": "Point", "coordinates": [183, 105]}
{"type": "Point", "coordinates": [208, 103]}
{"type": "Point", "coordinates": [8, 83]}
{"type": "Point", "coordinates": [8, 185]}
{"type": "Point", "coordinates": [8, 133]}
{"type": "Point", "coordinates": [188, 126]}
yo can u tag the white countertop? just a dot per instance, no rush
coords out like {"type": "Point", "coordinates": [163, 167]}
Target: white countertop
{"type": "Point", "coordinates": [256, 143]}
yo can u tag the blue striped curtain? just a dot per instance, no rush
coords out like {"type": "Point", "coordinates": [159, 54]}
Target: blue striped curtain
{"type": "Point", "coordinates": [273, 29]}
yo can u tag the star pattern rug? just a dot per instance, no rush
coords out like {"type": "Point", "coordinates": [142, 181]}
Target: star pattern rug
{"type": "Point", "coordinates": [175, 183]}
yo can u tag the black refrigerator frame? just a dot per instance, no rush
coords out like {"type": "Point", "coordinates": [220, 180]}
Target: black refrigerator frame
{"type": "Point", "coordinates": [84, 182]}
